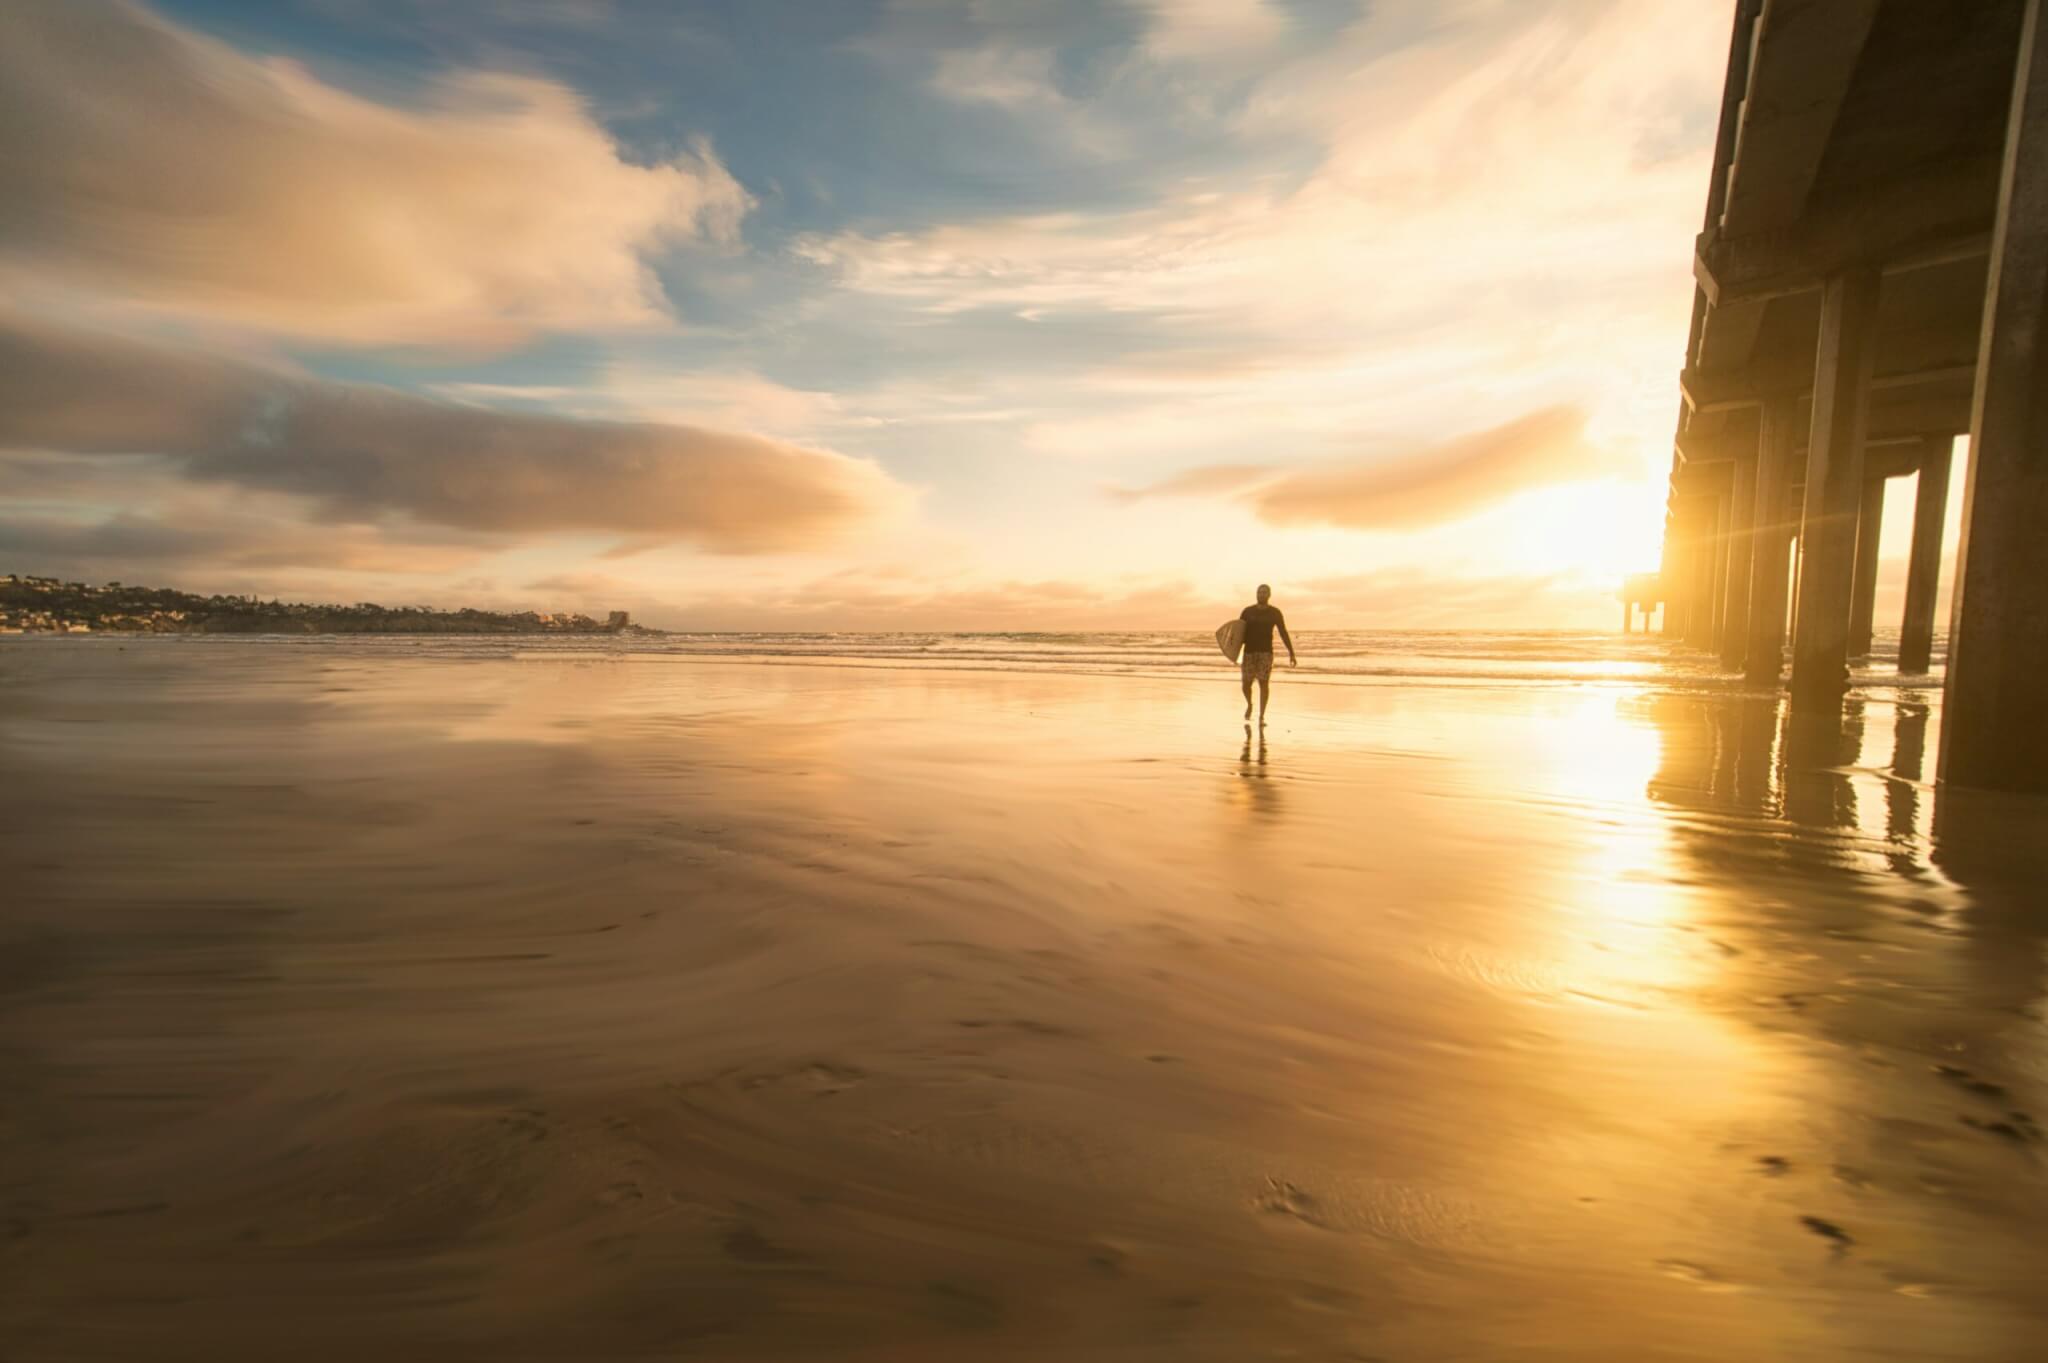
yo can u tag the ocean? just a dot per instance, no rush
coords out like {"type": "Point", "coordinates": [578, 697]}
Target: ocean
{"type": "Point", "coordinates": [1334, 657]}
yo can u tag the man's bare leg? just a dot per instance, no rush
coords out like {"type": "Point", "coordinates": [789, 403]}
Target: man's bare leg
{"type": "Point", "coordinates": [1247, 697]}
{"type": "Point", "coordinates": [1264, 687]}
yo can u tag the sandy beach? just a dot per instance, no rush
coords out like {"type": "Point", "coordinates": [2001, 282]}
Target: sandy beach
{"type": "Point", "coordinates": [370, 1003]}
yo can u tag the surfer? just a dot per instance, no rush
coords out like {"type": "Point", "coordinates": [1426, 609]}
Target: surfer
{"type": "Point", "coordinates": [1260, 621]}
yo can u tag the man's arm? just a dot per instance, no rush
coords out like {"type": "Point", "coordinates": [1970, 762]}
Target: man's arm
{"type": "Point", "coordinates": [1281, 622]}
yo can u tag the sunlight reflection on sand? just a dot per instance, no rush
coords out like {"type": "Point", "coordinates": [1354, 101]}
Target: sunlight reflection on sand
{"type": "Point", "coordinates": [607, 1004]}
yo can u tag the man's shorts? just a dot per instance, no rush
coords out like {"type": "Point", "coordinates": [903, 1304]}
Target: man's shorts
{"type": "Point", "coordinates": [1256, 666]}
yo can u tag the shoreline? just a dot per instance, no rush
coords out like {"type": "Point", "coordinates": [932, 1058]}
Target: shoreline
{"type": "Point", "coordinates": [1674, 669]}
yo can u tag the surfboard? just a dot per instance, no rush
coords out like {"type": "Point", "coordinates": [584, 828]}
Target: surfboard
{"type": "Point", "coordinates": [1230, 638]}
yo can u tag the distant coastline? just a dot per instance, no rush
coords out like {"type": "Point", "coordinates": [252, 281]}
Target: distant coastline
{"type": "Point", "coordinates": [48, 605]}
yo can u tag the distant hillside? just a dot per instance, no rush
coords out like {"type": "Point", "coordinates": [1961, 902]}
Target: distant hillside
{"type": "Point", "coordinates": [45, 605]}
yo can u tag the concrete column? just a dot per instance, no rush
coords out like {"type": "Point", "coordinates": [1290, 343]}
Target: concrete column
{"type": "Point", "coordinates": [1676, 577]}
{"type": "Point", "coordinates": [1699, 624]}
{"type": "Point", "coordinates": [1994, 729]}
{"type": "Point", "coordinates": [1834, 487]}
{"type": "Point", "coordinates": [1863, 599]}
{"type": "Point", "coordinates": [1777, 432]}
{"type": "Point", "coordinates": [1710, 564]}
{"type": "Point", "coordinates": [1668, 566]}
{"type": "Point", "coordinates": [1930, 509]}
{"type": "Point", "coordinates": [1741, 557]}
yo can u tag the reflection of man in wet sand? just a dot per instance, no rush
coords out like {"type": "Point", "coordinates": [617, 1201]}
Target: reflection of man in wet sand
{"type": "Point", "coordinates": [1257, 664]}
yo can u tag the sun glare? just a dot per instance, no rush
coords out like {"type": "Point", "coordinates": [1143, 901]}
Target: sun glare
{"type": "Point", "coordinates": [1600, 530]}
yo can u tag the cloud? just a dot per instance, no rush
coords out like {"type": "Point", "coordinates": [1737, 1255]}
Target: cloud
{"type": "Point", "coordinates": [872, 599]}
{"type": "Point", "coordinates": [588, 586]}
{"type": "Point", "coordinates": [129, 543]}
{"type": "Point", "coordinates": [1414, 598]}
{"type": "Point", "coordinates": [1424, 487]}
{"type": "Point", "coordinates": [880, 599]}
{"type": "Point", "coordinates": [1212, 480]}
{"type": "Point", "coordinates": [362, 453]}
{"type": "Point", "coordinates": [732, 399]}
{"type": "Point", "coordinates": [997, 75]}
{"type": "Point", "coordinates": [1443, 482]}
{"type": "Point", "coordinates": [152, 166]}
{"type": "Point", "coordinates": [1203, 30]}
{"type": "Point", "coordinates": [1477, 208]}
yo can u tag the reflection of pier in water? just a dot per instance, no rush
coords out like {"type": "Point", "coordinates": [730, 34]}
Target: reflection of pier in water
{"type": "Point", "coordinates": [1873, 283]}
{"type": "Point", "coordinates": [1835, 828]}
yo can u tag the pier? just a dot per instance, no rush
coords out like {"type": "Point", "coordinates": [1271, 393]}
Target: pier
{"type": "Point", "coordinates": [1872, 279]}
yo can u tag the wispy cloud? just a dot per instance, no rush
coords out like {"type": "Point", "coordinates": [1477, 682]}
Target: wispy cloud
{"type": "Point", "coordinates": [1495, 218]}
{"type": "Point", "coordinates": [1418, 598]}
{"type": "Point", "coordinates": [881, 600]}
{"type": "Point", "coordinates": [1205, 30]}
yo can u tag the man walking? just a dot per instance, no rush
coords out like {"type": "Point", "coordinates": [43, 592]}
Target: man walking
{"type": "Point", "coordinates": [1257, 663]}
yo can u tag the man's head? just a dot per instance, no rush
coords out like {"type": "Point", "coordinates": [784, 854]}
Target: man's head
{"type": "Point", "coordinates": [1265, 593]}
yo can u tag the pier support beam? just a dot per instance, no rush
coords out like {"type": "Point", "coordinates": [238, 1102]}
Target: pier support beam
{"type": "Point", "coordinates": [1701, 511]}
{"type": "Point", "coordinates": [1671, 581]}
{"type": "Point", "coordinates": [1741, 555]}
{"type": "Point", "coordinates": [1994, 730]}
{"type": "Point", "coordinates": [1834, 490]}
{"type": "Point", "coordinates": [1770, 564]}
{"type": "Point", "coordinates": [1923, 571]}
{"type": "Point", "coordinates": [1706, 577]}
{"type": "Point", "coordinates": [1863, 600]}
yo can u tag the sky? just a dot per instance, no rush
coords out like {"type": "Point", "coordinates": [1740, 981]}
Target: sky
{"type": "Point", "coordinates": [854, 314]}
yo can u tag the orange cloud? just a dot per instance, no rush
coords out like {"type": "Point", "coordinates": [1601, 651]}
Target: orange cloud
{"type": "Point", "coordinates": [361, 453]}
{"type": "Point", "coordinates": [148, 165]}
{"type": "Point", "coordinates": [1443, 482]}
{"type": "Point", "coordinates": [1424, 487]}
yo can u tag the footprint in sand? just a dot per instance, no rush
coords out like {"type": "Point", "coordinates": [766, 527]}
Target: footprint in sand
{"type": "Point", "coordinates": [1029, 1026]}
{"type": "Point", "coordinates": [1829, 1231]}
{"type": "Point", "coordinates": [530, 1122]}
{"type": "Point", "coordinates": [1282, 1198]}
{"type": "Point", "coordinates": [1108, 1259]}
{"type": "Point", "coordinates": [620, 1194]}
{"type": "Point", "coordinates": [2018, 1127]}
{"type": "Point", "coordinates": [1697, 1274]}
{"type": "Point", "coordinates": [963, 1306]}
{"type": "Point", "coordinates": [1963, 1079]}
{"type": "Point", "coordinates": [820, 1077]}
{"type": "Point", "coordinates": [747, 1245]}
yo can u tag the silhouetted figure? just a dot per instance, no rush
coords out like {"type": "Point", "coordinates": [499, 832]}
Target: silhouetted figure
{"type": "Point", "coordinates": [1257, 663]}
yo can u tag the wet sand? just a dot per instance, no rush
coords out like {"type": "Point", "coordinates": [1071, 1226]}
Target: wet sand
{"type": "Point", "coordinates": [357, 1004]}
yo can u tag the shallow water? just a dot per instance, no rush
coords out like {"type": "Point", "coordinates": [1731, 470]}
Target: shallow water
{"type": "Point", "coordinates": [468, 1000]}
{"type": "Point", "coordinates": [1377, 657]}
